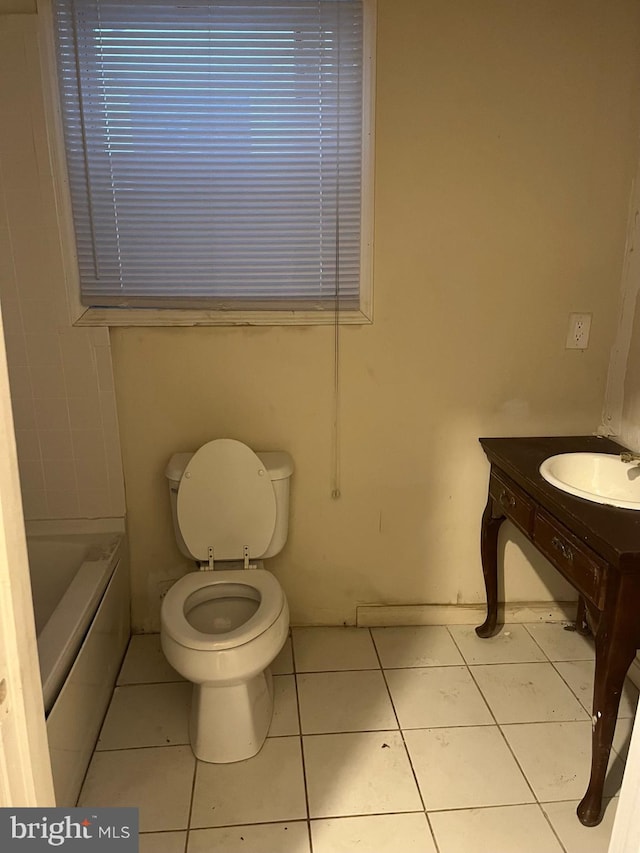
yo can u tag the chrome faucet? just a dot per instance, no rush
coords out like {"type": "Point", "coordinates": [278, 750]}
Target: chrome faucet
{"type": "Point", "coordinates": [630, 456]}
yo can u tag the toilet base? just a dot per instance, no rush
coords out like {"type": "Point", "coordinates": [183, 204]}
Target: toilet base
{"type": "Point", "coordinates": [231, 723]}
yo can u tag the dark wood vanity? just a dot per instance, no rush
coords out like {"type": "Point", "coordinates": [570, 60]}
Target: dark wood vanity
{"type": "Point", "coordinates": [595, 547]}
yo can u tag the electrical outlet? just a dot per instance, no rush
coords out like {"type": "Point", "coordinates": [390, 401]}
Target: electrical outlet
{"type": "Point", "coordinates": [578, 334]}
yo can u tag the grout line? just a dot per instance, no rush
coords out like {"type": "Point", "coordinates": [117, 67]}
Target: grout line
{"type": "Point", "coordinates": [245, 823]}
{"type": "Point", "coordinates": [505, 662]}
{"type": "Point", "coordinates": [149, 683]}
{"type": "Point", "coordinates": [159, 831]}
{"type": "Point", "coordinates": [492, 807]}
{"type": "Point", "coordinates": [304, 766]}
{"type": "Point", "coordinates": [190, 815]}
{"type": "Point", "coordinates": [301, 820]}
{"type": "Point", "coordinates": [134, 748]}
{"type": "Point", "coordinates": [485, 808]}
{"type": "Point", "coordinates": [553, 664]}
{"type": "Point", "coordinates": [482, 696]}
{"type": "Point", "coordinates": [552, 827]}
{"type": "Point", "coordinates": [539, 803]}
{"type": "Point", "coordinates": [104, 719]}
{"type": "Point", "coordinates": [525, 624]}
{"type": "Point", "coordinates": [493, 716]}
{"type": "Point", "coordinates": [389, 730]}
{"type": "Point", "coordinates": [347, 669]}
{"type": "Point", "coordinates": [141, 746]}
{"type": "Point", "coordinates": [545, 723]}
{"type": "Point", "coordinates": [504, 686]}
{"type": "Point", "coordinates": [404, 743]}
{"type": "Point", "coordinates": [508, 806]}
{"type": "Point", "coordinates": [502, 735]}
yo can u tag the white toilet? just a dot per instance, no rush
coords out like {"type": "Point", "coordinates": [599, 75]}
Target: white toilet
{"type": "Point", "coordinates": [222, 626]}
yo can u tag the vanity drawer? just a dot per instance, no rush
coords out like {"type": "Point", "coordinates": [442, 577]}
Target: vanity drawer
{"type": "Point", "coordinates": [575, 561]}
{"type": "Point", "coordinates": [516, 504]}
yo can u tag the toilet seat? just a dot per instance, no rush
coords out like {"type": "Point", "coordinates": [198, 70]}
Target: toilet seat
{"type": "Point", "coordinates": [271, 603]}
{"type": "Point", "coordinates": [226, 502]}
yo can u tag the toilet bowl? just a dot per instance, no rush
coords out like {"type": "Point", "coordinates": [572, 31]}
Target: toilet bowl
{"type": "Point", "coordinates": [221, 631]}
{"type": "Point", "coordinates": [222, 627]}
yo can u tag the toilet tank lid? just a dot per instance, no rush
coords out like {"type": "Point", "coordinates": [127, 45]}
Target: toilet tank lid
{"type": "Point", "coordinates": [176, 465]}
{"type": "Point", "coordinates": [277, 462]}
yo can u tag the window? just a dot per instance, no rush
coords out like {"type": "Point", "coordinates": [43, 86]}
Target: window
{"type": "Point", "coordinates": [218, 156]}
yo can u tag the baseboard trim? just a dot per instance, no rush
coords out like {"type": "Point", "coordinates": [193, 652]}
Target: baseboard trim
{"type": "Point", "coordinates": [389, 615]}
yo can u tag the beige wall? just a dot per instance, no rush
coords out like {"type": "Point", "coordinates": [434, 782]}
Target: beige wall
{"type": "Point", "coordinates": [506, 142]}
{"type": "Point", "coordinates": [61, 378]}
{"type": "Point", "coordinates": [18, 7]}
{"type": "Point", "coordinates": [630, 428]}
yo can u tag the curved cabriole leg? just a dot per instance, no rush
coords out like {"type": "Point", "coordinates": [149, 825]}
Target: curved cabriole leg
{"type": "Point", "coordinates": [582, 626]}
{"type": "Point", "coordinates": [615, 649]}
{"type": "Point", "coordinates": [489, 553]}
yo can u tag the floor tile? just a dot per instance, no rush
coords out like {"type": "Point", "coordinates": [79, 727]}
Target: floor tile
{"type": "Point", "coordinates": [354, 701]}
{"type": "Point", "coordinates": [283, 664]}
{"type": "Point", "coordinates": [145, 662]}
{"type": "Point", "coordinates": [513, 644]}
{"type": "Point", "coordinates": [437, 696]}
{"type": "Point", "coordinates": [391, 833]}
{"type": "Point", "coordinates": [556, 759]}
{"type": "Point", "coordinates": [579, 676]}
{"type": "Point", "coordinates": [285, 707]}
{"type": "Point", "coordinates": [357, 774]}
{"type": "Point", "coordinates": [576, 837]}
{"type": "Point", "coordinates": [324, 649]}
{"type": "Point", "coordinates": [363, 796]}
{"type": "Point", "coordinates": [559, 644]}
{"type": "Point", "coordinates": [466, 767]}
{"type": "Point", "coordinates": [257, 838]}
{"type": "Point", "coordinates": [421, 645]}
{"type": "Point", "coordinates": [622, 735]}
{"type": "Point", "coordinates": [156, 780]}
{"type": "Point", "coordinates": [267, 787]}
{"type": "Point", "coordinates": [163, 842]}
{"type": "Point", "coordinates": [147, 715]}
{"type": "Point", "coordinates": [527, 693]}
{"type": "Point", "coordinates": [508, 829]}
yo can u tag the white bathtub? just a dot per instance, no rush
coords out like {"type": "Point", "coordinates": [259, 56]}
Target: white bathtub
{"type": "Point", "coordinates": [80, 587]}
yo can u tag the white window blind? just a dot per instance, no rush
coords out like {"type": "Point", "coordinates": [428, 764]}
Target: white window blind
{"type": "Point", "coordinates": [214, 150]}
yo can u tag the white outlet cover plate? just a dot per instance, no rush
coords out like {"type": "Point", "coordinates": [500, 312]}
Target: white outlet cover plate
{"type": "Point", "coordinates": [578, 334]}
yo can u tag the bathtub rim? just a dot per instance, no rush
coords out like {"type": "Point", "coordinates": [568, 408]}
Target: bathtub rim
{"type": "Point", "coordinates": [78, 605]}
{"type": "Point", "coordinates": [61, 637]}
{"type": "Point", "coordinates": [75, 720]}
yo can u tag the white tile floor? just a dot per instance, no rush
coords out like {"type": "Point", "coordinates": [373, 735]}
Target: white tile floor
{"type": "Point", "coordinates": [394, 740]}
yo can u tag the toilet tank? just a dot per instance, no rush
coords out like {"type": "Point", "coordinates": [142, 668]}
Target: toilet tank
{"type": "Point", "coordinates": [279, 466]}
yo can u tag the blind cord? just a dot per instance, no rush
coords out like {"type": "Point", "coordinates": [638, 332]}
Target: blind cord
{"type": "Point", "coordinates": [335, 485]}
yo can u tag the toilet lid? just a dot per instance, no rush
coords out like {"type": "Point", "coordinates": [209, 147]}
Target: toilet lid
{"type": "Point", "coordinates": [226, 500]}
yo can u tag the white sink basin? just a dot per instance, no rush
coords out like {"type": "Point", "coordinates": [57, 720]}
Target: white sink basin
{"type": "Point", "coordinates": [598, 477]}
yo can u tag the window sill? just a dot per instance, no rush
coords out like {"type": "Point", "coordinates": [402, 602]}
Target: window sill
{"type": "Point", "coordinates": [202, 317]}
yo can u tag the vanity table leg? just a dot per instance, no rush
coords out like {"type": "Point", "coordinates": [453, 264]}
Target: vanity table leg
{"type": "Point", "coordinates": [615, 649]}
{"type": "Point", "coordinates": [489, 553]}
{"type": "Point", "coordinates": [582, 626]}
